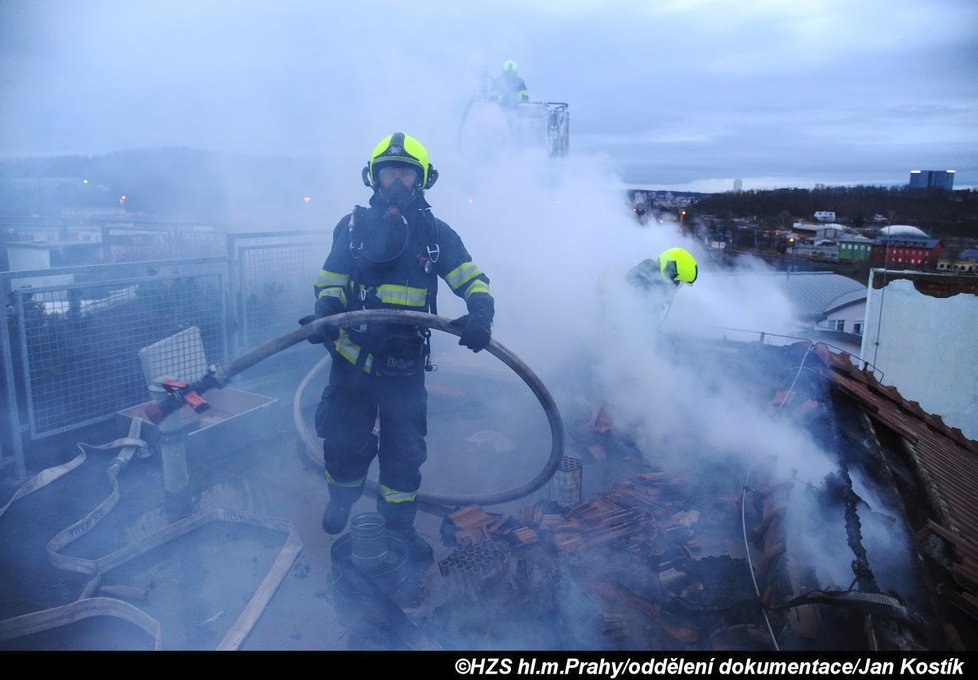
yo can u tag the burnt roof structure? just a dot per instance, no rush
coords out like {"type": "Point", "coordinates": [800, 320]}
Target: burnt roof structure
{"type": "Point", "coordinates": [937, 471]}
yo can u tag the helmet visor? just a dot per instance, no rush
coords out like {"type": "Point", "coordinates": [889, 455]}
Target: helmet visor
{"type": "Point", "coordinates": [389, 173]}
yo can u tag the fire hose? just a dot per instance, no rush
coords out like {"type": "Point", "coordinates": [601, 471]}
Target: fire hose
{"type": "Point", "coordinates": [219, 375]}
{"type": "Point", "coordinates": [88, 605]}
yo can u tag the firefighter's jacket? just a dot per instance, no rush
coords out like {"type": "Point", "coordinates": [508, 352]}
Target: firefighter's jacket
{"type": "Point", "coordinates": [508, 89]}
{"type": "Point", "coordinates": [381, 260]}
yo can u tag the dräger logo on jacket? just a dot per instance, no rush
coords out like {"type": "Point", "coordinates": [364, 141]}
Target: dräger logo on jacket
{"type": "Point", "coordinates": [396, 364]}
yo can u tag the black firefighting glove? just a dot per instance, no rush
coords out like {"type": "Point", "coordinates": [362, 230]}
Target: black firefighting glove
{"type": "Point", "coordinates": [477, 324]}
{"type": "Point", "coordinates": [325, 306]}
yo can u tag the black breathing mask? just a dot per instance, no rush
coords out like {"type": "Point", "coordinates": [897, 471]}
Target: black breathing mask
{"type": "Point", "coordinates": [396, 196]}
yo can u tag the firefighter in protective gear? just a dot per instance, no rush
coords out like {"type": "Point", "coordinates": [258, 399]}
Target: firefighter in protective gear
{"type": "Point", "coordinates": [389, 256]}
{"type": "Point", "coordinates": [671, 269]}
{"type": "Point", "coordinates": [653, 283]}
{"type": "Point", "coordinates": [508, 88]}
{"type": "Point", "coordinates": [661, 278]}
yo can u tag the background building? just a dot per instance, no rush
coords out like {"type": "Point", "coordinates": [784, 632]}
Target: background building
{"type": "Point", "coordinates": [905, 252]}
{"type": "Point", "coordinates": [855, 248]}
{"type": "Point", "coordinates": [932, 179]}
{"type": "Point", "coordinates": [965, 262]}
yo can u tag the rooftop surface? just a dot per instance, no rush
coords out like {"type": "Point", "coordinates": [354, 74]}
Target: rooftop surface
{"type": "Point", "coordinates": [656, 552]}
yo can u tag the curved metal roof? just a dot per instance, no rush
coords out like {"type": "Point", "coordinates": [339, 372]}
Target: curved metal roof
{"type": "Point", "coordinates": [815, 294]}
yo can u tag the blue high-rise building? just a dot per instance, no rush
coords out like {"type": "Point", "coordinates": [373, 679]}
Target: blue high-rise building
{"type": "Point", "coordinates": [932, 179]}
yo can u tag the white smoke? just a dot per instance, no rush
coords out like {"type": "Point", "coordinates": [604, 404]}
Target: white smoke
{"type": "Point", "coordinates": [557, 239]}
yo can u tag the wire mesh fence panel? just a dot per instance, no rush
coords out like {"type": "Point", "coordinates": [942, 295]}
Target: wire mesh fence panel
{"type": "Point", "coordinates": [80, 342]}
{"type": "Point", "coordinates": [152, 241]}
{"type": "Point", "coordinates": [275, 287]}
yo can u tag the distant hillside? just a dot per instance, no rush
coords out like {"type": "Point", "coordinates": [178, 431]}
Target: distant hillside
{"type": "Point", "coordinates": [942, 214]}
{"type": "Point", "coordinates": [188, 183]}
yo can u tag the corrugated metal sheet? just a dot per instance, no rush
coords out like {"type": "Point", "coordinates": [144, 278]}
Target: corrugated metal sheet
{"type": "Point", "coordinates": [816, 293]}
{"type": "Point", "coordinates": [946, 463]}
{"type": "Point", "coordinates": [813, 294]}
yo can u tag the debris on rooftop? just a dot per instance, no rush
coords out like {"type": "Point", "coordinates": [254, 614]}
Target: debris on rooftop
{"type": "Point", "coordinates": [670, 559]}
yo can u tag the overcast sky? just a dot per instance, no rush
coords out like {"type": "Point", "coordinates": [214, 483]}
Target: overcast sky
{"type": "Point", "coordinates": [671, 93]}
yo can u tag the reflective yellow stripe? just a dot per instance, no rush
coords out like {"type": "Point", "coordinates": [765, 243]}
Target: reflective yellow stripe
{"type": "Point", "coordinates": [328, 278]}
{"type": "Point", "coordinates": [394, 496]}
{"type": "Point", "coordinates": [350, 351]}
{"type": "Point", "coordinates": [332, 284]}
{"type": "Point", "coordinates": [462, 274]}
{"type": "Point", "coordinates": [338, 293]}
{"type": "Point", "coordinates": [345, 485]}
{"type": "Point", "coordinates": [478, 286]}
{"type": "Point", "coordinates": [405, 296]}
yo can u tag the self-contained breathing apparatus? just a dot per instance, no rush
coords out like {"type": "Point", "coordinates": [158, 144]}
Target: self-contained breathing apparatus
{"type": "Point", "coordinates": [397, 350]}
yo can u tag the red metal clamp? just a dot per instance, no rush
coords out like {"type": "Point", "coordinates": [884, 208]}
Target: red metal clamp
{"type": "Point", "coordinates": [187, 394]}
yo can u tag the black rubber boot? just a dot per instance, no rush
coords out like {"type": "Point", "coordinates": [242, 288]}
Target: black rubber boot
{"type": "Point", "coordinates": [341, 500]}
{"type": "Point", "coordinates": [399, 517]}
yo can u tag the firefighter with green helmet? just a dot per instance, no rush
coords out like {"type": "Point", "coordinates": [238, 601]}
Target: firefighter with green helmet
{"type": "Point", "coordinates": [672, 268]}
{"type": "Point", "coordinates": [508, 88]}
{"type": "Point", "coordinates": [660, 278]}
{"type": "Point", "coordinates": [388, 255]}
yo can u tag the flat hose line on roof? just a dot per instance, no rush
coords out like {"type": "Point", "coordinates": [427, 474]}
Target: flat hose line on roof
{"type": "Point", "coordinates": [87, 606]}
{"type": "Point", "coordinates": [539, 390]}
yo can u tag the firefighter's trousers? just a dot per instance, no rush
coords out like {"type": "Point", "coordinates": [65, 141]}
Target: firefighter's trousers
{"type": "Point", "coordinates": [351, 406]}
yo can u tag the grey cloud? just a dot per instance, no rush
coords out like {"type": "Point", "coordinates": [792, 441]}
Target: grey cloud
{"type": "Point", "coordinates": [703, 89]}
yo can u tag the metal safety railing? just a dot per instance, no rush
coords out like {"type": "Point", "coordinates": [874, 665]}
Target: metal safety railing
{"type": "Point", "coordinates": [768, 338]}
{"type": "Point", "coordinates": [547, 124]}
{"type": "Point", "coordinates": [70, 337]}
